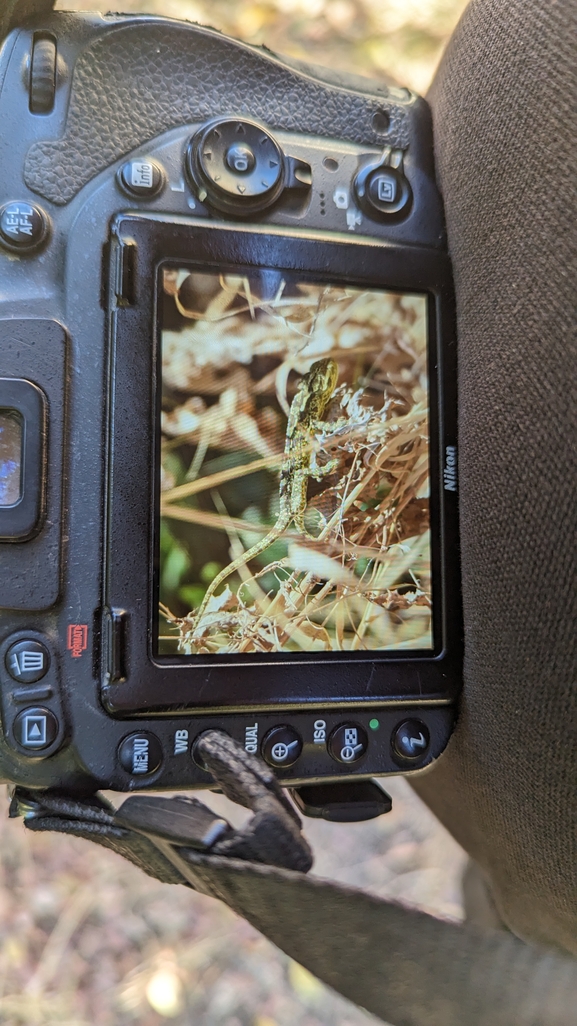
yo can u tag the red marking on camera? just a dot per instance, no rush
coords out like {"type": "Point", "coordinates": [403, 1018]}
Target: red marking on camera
{"type": "Point", "coordinates": [77, 639]}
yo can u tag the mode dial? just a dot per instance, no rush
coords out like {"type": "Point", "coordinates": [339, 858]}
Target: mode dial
{"type": "Point", "coordinates": [237, 166]}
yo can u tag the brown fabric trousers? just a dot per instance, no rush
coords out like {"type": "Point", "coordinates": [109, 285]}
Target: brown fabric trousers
{"type": "Point", "coordinates": [505, 121]}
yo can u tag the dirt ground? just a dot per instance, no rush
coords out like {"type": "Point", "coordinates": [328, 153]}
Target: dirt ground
{"type": "Point", "coordinates": [86, 939]}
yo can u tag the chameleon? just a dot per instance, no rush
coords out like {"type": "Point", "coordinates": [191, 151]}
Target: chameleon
{"type": "Point", "coordinates": [311, 399]}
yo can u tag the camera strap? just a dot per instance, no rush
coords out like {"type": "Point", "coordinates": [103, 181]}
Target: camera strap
{"type": "Point", "coordinates": [402, 965]}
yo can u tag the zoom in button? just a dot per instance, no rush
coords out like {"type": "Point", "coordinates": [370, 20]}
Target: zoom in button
{"type": "Point", "coordinates": [281, 746]}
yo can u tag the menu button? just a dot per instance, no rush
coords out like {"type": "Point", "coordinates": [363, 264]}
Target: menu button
{"type": "Point", "coordinates": [140, 754]}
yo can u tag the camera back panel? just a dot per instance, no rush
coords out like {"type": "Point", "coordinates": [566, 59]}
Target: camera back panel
{"type": "Point", "coordinates": [136, 144]}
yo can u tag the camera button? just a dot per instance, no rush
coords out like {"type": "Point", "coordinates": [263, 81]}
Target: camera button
{"type": "Point", "coordinates": [140, 754]}
{"type": "Point", "coordinates": [141, 178]}
{"type": "Point", "coordinates": [348, 743]}
{"type": "Point", "coordinates": [22, 226]}
{"type": "Point", "coordinates": [411, 741]}
{"type": "Point", "coordinates": [282, 746]}
{"type": "Point", "coordinates": [35, 729]}
{"type": "Point", "coordinates": [27, 661]}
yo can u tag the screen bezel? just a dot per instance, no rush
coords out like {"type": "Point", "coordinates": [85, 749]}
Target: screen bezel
{"type": "Point", "coordinates": [245, 681]}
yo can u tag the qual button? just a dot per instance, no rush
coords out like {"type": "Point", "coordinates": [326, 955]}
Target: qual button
{"type": "Point", "coordinates": [27, 661]}
{"type": "Point", "coordinates": [281, 746]}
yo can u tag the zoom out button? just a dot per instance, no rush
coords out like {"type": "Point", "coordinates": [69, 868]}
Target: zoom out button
{"type": "Point", "coordinates": [348, 743]}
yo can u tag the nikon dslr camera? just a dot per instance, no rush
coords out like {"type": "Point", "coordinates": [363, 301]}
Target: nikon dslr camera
{"type": "Point", "coordinates": [228, 489]}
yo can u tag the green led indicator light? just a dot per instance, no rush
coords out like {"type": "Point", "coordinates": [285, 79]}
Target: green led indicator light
{"type": "Point", "coordinates": [374, 724]}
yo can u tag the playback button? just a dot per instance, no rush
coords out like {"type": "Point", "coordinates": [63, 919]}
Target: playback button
{"type": "Point", "coordinates": [282, 746]}
{"type": "Point", "coordinates": [35, 729]}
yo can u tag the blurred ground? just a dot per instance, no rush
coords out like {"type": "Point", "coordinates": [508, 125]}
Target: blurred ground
{"type": "Point", "coordinates": [86, 939]}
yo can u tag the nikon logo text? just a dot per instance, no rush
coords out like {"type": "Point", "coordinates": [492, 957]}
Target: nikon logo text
{"type": "Point", "coordinates": [450, 471]}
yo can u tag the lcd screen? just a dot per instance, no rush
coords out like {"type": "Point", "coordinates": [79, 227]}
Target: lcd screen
{"type": "Point", "coordinates": [294, 467]}
{"type": "Point", "coordinates": [10, 457]}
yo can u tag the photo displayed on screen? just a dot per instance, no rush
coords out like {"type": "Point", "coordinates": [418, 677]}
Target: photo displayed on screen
{"type": "Point", "coordinates": [294, 503]}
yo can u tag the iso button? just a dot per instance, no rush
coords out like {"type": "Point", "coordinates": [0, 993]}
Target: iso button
{"type": "Point", "coordinates": [140, 754]}
{"type": "Point", "coordinates": [281, 746]}
{"type": "Point", "coordinates": [348, 743]}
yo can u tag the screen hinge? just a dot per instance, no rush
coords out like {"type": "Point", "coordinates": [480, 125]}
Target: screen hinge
{"type": "Point", "coordinates": [125, 272]}
{"type": "Point", "coordinates": [114, 636]}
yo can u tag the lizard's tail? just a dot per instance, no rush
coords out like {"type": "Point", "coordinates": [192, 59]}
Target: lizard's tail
{"type": "Point", "coordinates": [255, 550]}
